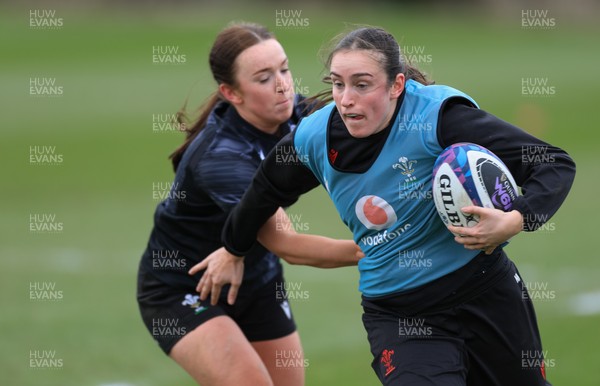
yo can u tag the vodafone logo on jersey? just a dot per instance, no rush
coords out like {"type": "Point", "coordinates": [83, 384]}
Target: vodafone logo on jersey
{"type": "Point", "coordinates": [375, 212]}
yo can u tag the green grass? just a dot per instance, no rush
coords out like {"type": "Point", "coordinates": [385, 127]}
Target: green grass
{"type": "Point", "coordinates": [102, 192]}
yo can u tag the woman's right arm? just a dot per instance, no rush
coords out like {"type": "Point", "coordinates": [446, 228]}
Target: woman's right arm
{"type": "Point", "coordinates": [275, 185]}
{"type": "Point", "coordinates": [278, 236]}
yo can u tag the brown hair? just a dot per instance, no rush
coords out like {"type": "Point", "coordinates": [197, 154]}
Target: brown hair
{"type": "Point", "coordinates": [372, 39]}
{"type": "Point", "coordinates": [382, 42]}
{"type": "Point", "coordinates": [228, 45]}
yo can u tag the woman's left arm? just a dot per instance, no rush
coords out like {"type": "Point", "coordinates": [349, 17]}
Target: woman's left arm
{"type": "Point", "coordinates": [544, 172]}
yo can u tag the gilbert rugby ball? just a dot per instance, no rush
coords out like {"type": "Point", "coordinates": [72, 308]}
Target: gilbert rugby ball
{"type": "Point", "coordinates": [467, 174]}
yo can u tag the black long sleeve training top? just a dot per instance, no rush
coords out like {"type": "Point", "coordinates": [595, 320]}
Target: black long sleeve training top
{"type": "Point", "coordinates": [544, 172]}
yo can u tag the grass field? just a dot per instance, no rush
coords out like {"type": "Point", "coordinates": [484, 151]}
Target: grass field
{"type": "Point", "coordinates": [91, 194]}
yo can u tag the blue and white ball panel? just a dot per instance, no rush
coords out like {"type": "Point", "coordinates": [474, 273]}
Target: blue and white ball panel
{"type": "Point", "coordinates": [449, 196]}
{"type": "Point", "coordinates": [467, 174]}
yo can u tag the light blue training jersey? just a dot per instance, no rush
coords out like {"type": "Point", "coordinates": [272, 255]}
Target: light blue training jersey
{"type": "Point", "coordinates": [389, 208]}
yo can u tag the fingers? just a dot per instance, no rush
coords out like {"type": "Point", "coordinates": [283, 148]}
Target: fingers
{"type": "Point", "coordinates": [207, 286]}
{"type": "Point", "coordinates": [486, 235]}
{"type": "Point", "coordinates": [455, 230]}
{"type": "Point", "coordinates": [233, 292]}
{"type": "Point", "coordinates": [198, 267]}
{"type": "Point", "coordinates": [220, 268]}
{"type": "Point", "coordinates": [490, 250]}
{"type": "Point", "coordinates": [477, 247]}
{"type": "Point", "coordinates": [204, 286]}
{"type": "Point", "coordinates": [477, 210]}
{"type": "Point", "coordinates": [474, 242]}
{"type": "Point", "coordinates": [203, 280]}
{"type": "Point", "coordinates": [471, 243]}
{"type": "Point", "coordinates": [480, 247]}
{"type": "Point", "coordinates": [215, 293]}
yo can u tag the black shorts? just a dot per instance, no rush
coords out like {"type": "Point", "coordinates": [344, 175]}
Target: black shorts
{"type": "Point", "coordinates": [484, 333]}
{"type": "Point", "coordinates": [169, 313]}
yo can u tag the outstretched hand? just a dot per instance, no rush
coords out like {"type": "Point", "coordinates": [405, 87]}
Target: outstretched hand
{"type": "Point", "coordinates": [494, 228]}
{"type": "Point", "coordinates": [221, 268]}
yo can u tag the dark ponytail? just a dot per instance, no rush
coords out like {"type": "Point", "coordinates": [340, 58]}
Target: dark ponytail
{"type": "Point", "coordinates": [228, 45]}
{"type": "Point", "coordinates": [193, 131]}
{"type": "Point", "coordinates": [417, 75]}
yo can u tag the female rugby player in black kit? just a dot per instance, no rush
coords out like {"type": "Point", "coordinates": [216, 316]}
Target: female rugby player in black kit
{"type": "Point", "coordinates": [227, 344]}
{"type": "Point", "coordinates": [472, 319]}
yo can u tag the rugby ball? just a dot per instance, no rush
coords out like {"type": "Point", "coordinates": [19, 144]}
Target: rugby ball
{"type": "Point", "coordinates": [466, 174]}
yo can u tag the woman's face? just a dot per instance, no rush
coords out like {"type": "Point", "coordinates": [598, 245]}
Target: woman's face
{"type": "Point", "coordinates": [361, 91]}
{"type": "Point", "coordinates": [264, 95]}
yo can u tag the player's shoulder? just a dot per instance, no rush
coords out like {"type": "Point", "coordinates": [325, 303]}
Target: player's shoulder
{"type": "Point", "coordinates": [436, 93]}
{"type": "Point", "coordinates": [222, 137]}
{"type": "Point", "coordinates": [227, 143]}
{"type": "Point", "coordinates": [313, 128]}
{"type": "Point", "coordinates": [317, 119]}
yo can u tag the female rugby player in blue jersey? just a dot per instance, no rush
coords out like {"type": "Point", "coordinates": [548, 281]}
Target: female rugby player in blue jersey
{"type": "Point", "coordinates": [226, 344]}
{"type": "Point", "coordinates": [463, 317]}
